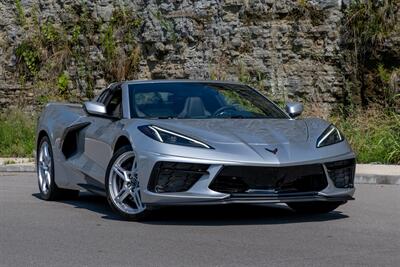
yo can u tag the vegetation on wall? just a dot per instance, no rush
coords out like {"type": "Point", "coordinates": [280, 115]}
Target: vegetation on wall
{"type": "Point", "coordinates": [56, 58]}
{"type": "Point", "coordinates": [372, 65]}
{"type": "Point", "coordinates": [20, 13]}
{"type": "Point", "coordinates": [121, 31]}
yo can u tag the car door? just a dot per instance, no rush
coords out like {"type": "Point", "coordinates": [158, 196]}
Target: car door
{"type": "Point", "coordinates": [99, 137]}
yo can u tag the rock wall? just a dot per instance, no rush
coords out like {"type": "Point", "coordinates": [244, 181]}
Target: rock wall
{"type": "Point", "coordinates": [288, 48]}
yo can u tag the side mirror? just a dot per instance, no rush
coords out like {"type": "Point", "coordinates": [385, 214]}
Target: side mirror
{"type": "Point", "coordinates": [294, 109]}
{"type": "Point", "coordinates": [95, 108]}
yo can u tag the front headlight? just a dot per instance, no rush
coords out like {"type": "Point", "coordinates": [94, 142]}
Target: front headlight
{"type": "Point", "coordinates": [169, 137]}
{"type": "Point", "coordinates": [329, 137]}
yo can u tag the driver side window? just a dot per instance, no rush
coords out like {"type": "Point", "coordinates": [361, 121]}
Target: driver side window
{"type": "Point", "coordinates": [114, 104]}
{"type": "Point", "coordinates": [112, 100]}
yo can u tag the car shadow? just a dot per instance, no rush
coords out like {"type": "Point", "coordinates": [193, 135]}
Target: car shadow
{"type": "Point", "coordinates": [236, 214]}
{"type": "Point", "coordinates": [90, 202]}
{"type": "Point", "coordinates": [218, 215]}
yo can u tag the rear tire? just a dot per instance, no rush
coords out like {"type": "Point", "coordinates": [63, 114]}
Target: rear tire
{"type": "Point", "coordinates": [314, 207]}
{"type": "Point", "coordinates": [45, 172]}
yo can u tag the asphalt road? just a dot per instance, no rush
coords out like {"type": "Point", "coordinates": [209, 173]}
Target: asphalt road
{"type": "Point", "coordinates": [85, 232]}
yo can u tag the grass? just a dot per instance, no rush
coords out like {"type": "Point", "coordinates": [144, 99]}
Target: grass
{"type": "Point", "coordinates": [9, 161]}
{"type": "Point", "coordinates": [17, 134]}
{"type": "Point", "coordinates": [374, 135]}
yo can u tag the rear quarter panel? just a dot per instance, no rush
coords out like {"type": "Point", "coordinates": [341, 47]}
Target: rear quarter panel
{"type": "Point", "coordinates": [53, 121]}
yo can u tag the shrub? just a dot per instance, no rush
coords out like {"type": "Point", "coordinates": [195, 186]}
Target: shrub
{"type": "Point", "coordinates": [29, 56]}
{"type": "Point", "coordinates": [373, 134]}
{"type": "Point", "coordinates": [17, 134]}
{"type": "Point", "coordinates": [62, 83]}
{"type": "Point", "coordinates": [369, 26]}
{"type": "Point", "coordinates": [20, 13]}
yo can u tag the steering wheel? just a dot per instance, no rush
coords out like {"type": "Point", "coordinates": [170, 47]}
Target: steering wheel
{"type": "Point", "coordinates": [221, 110]}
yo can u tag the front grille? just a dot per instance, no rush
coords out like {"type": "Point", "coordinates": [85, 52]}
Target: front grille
{"type": "Point", "coordinates": [293, 179]}
{"type": "Point", "coordinates": [342, 172]}
{"type": "Point", "coordinates": [175, 177]}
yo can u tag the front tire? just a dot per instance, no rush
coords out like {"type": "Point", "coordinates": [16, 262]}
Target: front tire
{"type": "Point", "coordinates": [122, 185]}
{"type": "Point", "coordinates": [45, 172]}
{"type": "Point", "coordinates": [314, 207]}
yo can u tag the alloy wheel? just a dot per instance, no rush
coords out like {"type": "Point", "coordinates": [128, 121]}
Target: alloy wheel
{"type": "Point", "coordinates": [124, 186]}
{"type": "Point", "coordinates": [44, 168]}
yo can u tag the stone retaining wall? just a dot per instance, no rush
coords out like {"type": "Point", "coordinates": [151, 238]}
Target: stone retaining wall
{"type": "Point", "coordinates": [288, 48]}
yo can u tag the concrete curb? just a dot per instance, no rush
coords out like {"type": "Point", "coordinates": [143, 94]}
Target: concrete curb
{"type": "Point", "coordinates": [28, 167]}
{"type": "Point", "coordinates": [377, 179]}
{"type": "Point", "coordinates": [365, 173]}
{"type": "Point", "coordinates": [377, 174]}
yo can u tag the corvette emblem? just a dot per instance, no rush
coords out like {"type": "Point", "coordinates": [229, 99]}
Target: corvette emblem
{"type": "Point", "coordinates": [273, 151]}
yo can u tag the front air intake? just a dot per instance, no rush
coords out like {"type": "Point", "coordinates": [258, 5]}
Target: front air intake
{"type": "Point", "coordinates": [342, 172]}
{"type": "Point", "coordinates": [276, 180]}
{"type": "Point", "coordinates": [168, 177]}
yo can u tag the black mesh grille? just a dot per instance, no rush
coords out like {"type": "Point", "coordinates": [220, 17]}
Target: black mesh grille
{"type": "Point", "coordinates": [342, 173]}
{"type": "Point", "coordinates": [294, 179]}
{"type": "Point", "coordinates": [175, 177]}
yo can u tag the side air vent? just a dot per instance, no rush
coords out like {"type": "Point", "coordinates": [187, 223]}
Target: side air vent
{"type": "Point", "coordinates": [71, 141]}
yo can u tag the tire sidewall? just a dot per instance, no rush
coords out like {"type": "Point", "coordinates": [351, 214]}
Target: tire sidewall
{"type": "Point", "coordinates": [132, 217]}
{"type": "Point", "coordinates": [53, 187]}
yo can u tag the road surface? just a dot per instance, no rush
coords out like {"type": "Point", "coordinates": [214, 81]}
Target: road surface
{"type": "Point", "coordinates": [85, 232]}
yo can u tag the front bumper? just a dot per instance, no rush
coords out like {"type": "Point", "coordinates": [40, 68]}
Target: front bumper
{"type": "Point", "coordinates": [201, 194]}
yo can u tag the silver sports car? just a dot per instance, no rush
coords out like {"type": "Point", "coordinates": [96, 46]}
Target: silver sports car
{"type": "Point", "coordinates": [146, 144]}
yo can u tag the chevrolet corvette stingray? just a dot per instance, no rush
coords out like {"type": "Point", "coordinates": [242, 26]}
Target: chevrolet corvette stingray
{"type": "Point", "coordinates": [145, 144]}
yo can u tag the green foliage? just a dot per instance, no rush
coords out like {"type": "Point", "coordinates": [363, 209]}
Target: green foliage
{"type": "Point", "coordinates": [17, 134]}
{"type": "Point", "coordinates": [368, 25]}
{"type": "Point", "coordinates": [20, 13]}
{"type": "Point", "coordinates": [303, 3]}
{"type": "Point", "coordinates": [383, 73]}
{"type": "Point", "coordinates": [167, 26]}
{"type": "Point", "coordinates": [118, 43]}
{"type": "Point", "coordinates": [370, 22]}
{"type": "Point", "coordinates": [29, 56]}
{"type": "Point", "coordinates": [62, 83]}
{"type": "Point", "coordinates": [108, 42]}
{"type": "Point", "coordinates": [373, 134]}
{"type": "Point", "coordinates": [389, 80]}
{"type": "Point", "coordinates": [50, 34]}
{"type": "Point", "coordinates": [48, 49]}
{"type": "Point", "coordinates": [76, 31]}
{"type": "Point", "coordinates": [122, 17]}
{"type": "Point", "coordinates": [42, 99]}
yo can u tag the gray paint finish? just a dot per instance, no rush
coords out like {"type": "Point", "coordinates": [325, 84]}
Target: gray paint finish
{"type": "Point", "coordinates": [235, 142]}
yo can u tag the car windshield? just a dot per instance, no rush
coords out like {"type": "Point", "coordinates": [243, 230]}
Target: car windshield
{"type": "Point", "coordinates": [197, 100]}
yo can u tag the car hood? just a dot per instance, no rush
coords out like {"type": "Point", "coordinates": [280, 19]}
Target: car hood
{"type": "Point", "coordinates": [256, 141]}
{"type": "Point", "coordinates": [248, 131]}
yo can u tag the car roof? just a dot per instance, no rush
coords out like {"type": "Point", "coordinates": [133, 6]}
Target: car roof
{"type": "Point", "coordinates": [179, 81]}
